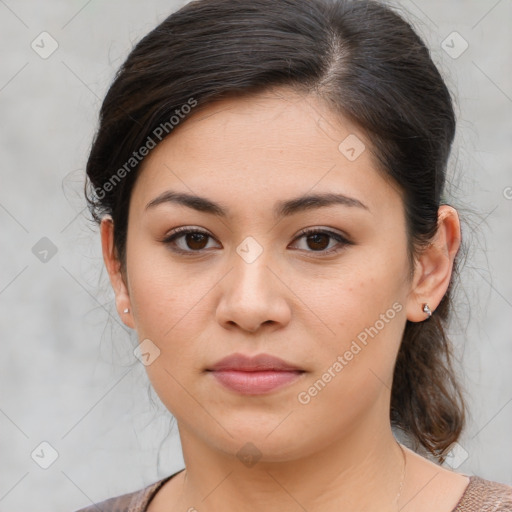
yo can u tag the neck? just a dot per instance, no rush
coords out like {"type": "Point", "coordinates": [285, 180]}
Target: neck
{"type": "Point", "coordinates": [362, 471]}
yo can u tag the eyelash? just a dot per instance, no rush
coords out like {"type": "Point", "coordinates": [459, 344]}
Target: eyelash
{"type": "Point", "coordinates": [182, 231]}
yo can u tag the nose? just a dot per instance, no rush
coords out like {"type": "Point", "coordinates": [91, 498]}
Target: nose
{"type": "Point", "coordinates": [252, 295]}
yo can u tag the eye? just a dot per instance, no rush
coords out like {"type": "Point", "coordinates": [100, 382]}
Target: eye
{"type": "Point", "coordinates": [185, 240]}
{"type": "Point", "coordinates": [319, 240]}
{"type": "Point", "coordinates": [192, 240]}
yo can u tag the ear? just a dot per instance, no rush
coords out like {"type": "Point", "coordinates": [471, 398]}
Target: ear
{"type": "Point", "coordinates": [113, 266]}
{"type": "Point", "coordinates": [433, 268]}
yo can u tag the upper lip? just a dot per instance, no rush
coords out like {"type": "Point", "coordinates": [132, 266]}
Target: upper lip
{"type": "Point", "coordinates": [260, 362]}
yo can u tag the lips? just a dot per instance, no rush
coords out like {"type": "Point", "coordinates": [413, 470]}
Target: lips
{"type": "Point", "coordinates": [261, 362]}
{"type": "Point", "coordinates": [254, 375]}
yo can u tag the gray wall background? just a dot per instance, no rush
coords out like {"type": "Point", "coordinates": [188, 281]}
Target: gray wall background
{"type": "Point", "coordinates": [68, 376]}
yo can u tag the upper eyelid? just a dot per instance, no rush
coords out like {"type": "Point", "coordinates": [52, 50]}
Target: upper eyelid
{"type": "Point", "coordinates": [183, 230]}
{"type": "Point", "coordinates": [320, 229]}
{"type": "Point", "coordinates": [302, 232]}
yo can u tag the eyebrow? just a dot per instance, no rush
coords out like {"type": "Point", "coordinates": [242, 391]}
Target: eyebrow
{"type": "Point", "coordinates": [281, 209]}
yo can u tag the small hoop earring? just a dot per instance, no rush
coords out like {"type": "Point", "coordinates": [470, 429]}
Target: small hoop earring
{"type": "Point", "coordinates": [126, 310]}
{"type": "Point", "coordinates": [427, 310]}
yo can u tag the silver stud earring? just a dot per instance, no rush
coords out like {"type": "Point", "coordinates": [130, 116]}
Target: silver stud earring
{"type": "Point", "coordinates": [126, 310]}
{"type": "Point", "coordinates": [427, 310]}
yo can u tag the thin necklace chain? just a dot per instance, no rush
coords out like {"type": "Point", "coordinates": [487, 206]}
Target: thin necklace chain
{"type": "Point", "coordinates": [403, 477]}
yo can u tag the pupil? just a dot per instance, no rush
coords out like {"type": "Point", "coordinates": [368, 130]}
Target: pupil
{"type": "Point", "coordinates": [317, 239]}
{"type": "Point", "coordinates": [193, 238]}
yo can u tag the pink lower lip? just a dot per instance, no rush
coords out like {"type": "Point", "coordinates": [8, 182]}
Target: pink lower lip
{"type": "Point", "coordinates": [255, 383]}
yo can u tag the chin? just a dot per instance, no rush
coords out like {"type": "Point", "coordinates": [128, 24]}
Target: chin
{"type": "Point", "coordinates": [257, 438]}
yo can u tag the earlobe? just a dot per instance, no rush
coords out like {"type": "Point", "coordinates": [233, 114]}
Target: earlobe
{"type": "Point", "coordinates": [434, 266]}
{"type": "Point", "coordinates": [113, 266]}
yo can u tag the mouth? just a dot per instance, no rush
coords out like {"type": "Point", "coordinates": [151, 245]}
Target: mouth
{"type": "Point", "coordinates": [254, 375]}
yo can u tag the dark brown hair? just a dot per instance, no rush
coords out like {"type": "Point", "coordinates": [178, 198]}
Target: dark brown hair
{"type": "Point", "coordinates": [368, 64]}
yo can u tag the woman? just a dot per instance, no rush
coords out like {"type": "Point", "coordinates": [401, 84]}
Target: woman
{"type": "Point", "coordinates": [268, 178]}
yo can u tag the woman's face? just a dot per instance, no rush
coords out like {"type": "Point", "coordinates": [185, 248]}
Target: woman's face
{"type": "Point", "coordinates": [250, 283]}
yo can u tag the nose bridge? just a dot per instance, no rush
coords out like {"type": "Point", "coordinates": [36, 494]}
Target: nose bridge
{"type": "Point", "coordinates": [251, 295]}
{"type": "Point", "coordinates": [251, 280]}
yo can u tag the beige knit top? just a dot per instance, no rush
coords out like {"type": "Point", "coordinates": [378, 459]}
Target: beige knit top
{"type": "Point", "coordinates": [480, 496]}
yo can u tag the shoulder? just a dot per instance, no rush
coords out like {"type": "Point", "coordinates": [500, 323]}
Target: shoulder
{"type": "Point", "coordinates": [136, 501]}
{"type": "Point", "coordinates": [482, 494]}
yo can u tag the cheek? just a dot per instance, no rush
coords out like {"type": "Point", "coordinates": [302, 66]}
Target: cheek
{"type": "Point", "coordinates": [168, 307]}
{"type": "Point", "coordinates": [356, 296]}
{"type": "Point", "coordinates": [162, 294]}
{"type": "Point", "coordinates": [364, 304]}
{"type": "Point", "coordinates": [354, 372]}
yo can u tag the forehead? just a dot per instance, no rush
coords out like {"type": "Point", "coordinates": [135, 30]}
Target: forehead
{"type": "Point", "coordinates": [252, 148]}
